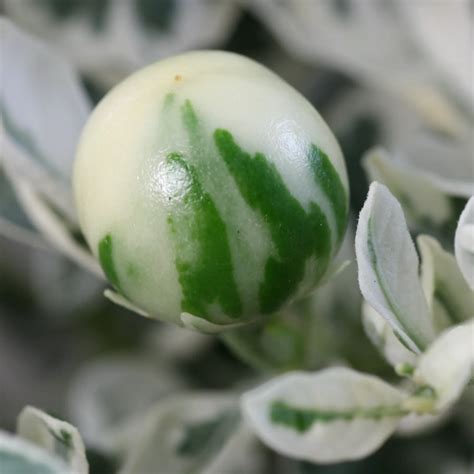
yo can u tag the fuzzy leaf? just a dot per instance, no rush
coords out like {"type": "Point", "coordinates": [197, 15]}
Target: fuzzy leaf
{"type": "Point", "coordinates": [329, 416]}
{"type": "Point", "coordinates": [388, 269]}
{"type": "Point", "coordinates": [384, 339]}
{"type": "Point", "coordinates": [54, 227]}
{"type": "Point", "coordinates": [14, 223]}
{"type": "Point", "coordinates": [55, 436]}
{"type": "Point", "coordinates": [182, 434]}
{"type": "Point", "coordinates": [43, 109]}
{"type": "Point", "coordinates": [422, 201]}
{"type": "Point", "coordinates": [122, 301]}
{"type": "Point", "coordinates": [448, 364]}
{"type": "Point", "coordinates": [104, 401]}
{"type": "Point", "coordinates": [196, 323]}
{"type": "Point", "coordinates": [464, 242]}
{"type": "Point", "coordinates": [430, 23]}
{"type": "Point", "coordinates": [450, 299]}
{"type": "Point", "coordinates": [18, 456]}
{"type": "Point", "coordinates": [445, 163]}
{"type": "Point", "coordinates": [109, 39]}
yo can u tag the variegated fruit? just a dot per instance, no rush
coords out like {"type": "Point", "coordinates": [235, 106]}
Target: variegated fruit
{"type": "Point", "coordinates": [209, 188]}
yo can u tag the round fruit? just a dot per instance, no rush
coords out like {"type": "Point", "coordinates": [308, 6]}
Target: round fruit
{"type": "Point", "coordinates": [210, 189]}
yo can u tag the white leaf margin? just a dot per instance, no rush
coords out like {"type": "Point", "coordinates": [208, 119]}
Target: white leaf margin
{"type": "Point", "coordinates": [55, 436]}
{"type": "Point", "coordinates": [52, 227]}
{"type": "Point", "coordinates": [331, 389]}
{"type": "Point", "coordinates": [464, 242]}
{"type": "Point", "coordinates": [450, 299]}
{"type": "Point", "coordinates": [120, 300]}
{"type": "Point", "coordinates": [384, 339]}
{"type": "Point", "coordinates": [42, 100]}
{"type": "Point", "coordinates": [422, 199]}
{"type": "Point", "coordinates": [448, 364]}
{"type": "Point", "coordinates": [187, 320]}
{"type": "Point", "coordinates": [157, 433]}
{"type": "Point", "coordinates": [388, 268]}
{"type": "Point", "coordinates": [103, 400]}
{"type": "Point", "coordinates": [11, 445]}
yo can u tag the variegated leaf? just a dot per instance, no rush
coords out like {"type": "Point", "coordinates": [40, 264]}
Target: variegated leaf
{"type": "Point", "coordinates": [18, 456]}
{"type": "Point", "coordinates": [108, 40]}
{"type": "Point", "coordinates": [14, 223]}
{"type": "Point", "coordinates": [182, 434]}
{"type": "Point", "coordinates": [464, 243]}
{"type": "Point", "coordinates": [450, 299]}
{"type": "Point", "coordinates": [384, 339]}
{"type": "Point", "coordinates": [369, 40]}
{"type": "Point", "coordinates": [329, 416]}
{"type": "Point", "coordinates": [429, 24]}
{"type": "Point", "coordinates": [448, 364]}
{"type": "Point", "coordinates": [43, 109]}
{"type": "Point", "coordinates": [422, 201]}
{"type": "Point", "coordinates": [57, 230]}
{"type": "Point", "coordinates": [446, 162]}
{"type": "Point", "coordinates": [55, 436]}
{"type": "Point", "coordinates": [104, 402]}
{"type": "Point", "coordinates": [388, 269]}
{"type": "Point", "coordinates": [122, 301]}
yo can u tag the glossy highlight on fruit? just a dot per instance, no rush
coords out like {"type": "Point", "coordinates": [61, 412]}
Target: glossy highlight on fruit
{"type": "Point", "coordinates": [209, 189]}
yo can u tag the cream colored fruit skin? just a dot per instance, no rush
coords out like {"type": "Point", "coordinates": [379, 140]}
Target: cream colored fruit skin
{"type": "Point", "coordinates": [126, 138]}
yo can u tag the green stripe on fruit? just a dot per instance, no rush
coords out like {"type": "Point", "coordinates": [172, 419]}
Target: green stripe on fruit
{"type": "Point", "coordinates": [203, 258]}
{"type": "Point", "coordinates": [327, 178]}
{"type": "Point", "coordinates": [107, 261]}
{"type": "Point", "coordinates": [297, 234]}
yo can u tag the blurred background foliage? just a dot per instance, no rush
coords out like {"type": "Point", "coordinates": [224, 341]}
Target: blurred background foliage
{"type": "Point", "coordinates": [56, 328]}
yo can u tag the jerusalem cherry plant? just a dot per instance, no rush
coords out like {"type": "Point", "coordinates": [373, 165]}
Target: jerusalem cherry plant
{"type": "Point", "coordinates": [214, 196]}
{"type": "Point", "coordinates": [212, 193]}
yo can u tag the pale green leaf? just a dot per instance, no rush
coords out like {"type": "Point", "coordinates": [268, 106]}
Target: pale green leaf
{"type": "Point", "coordinates": [18, 456]}
{"type": "Point", "coordinates": [388, 269]}
{"type": "Point", "coordinates": [446, 162]}
{"type": "Point", "coordinates": [196, 323]}
{"type": "Point", "coordinates": [443, 31]}
{"type": "Point", "coordinates": [43, 109]}
{"type": "Point", "coordinates": [464, 243]}
{"type": "Point", "coordinates": [56, 229]}
{"type": "Point", "coordinates": [182, 434]}
{"type": "Point", "coordinates": [422, 201]}
{"type": "Point", "coordinates": [108, 40]}
{"type": "Point", "coordinates": [450, 299]}
{"type": "Point", "coordinates": [373, 42]}
{"type": "Point", "coordinates": [122, 301]}
{"type": "Point", "coordinates": [384, 339]}
{"type": "Point", "coordinates": [329, 416]}
{"type": "Point", "coordinates": [104, 402]}
{"type": "Point", "coordinates": [55, 436]}
{"type": "Point", "coordinates": [14, 223]}
{"type": "Point", "coordinates": [448, 364]}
